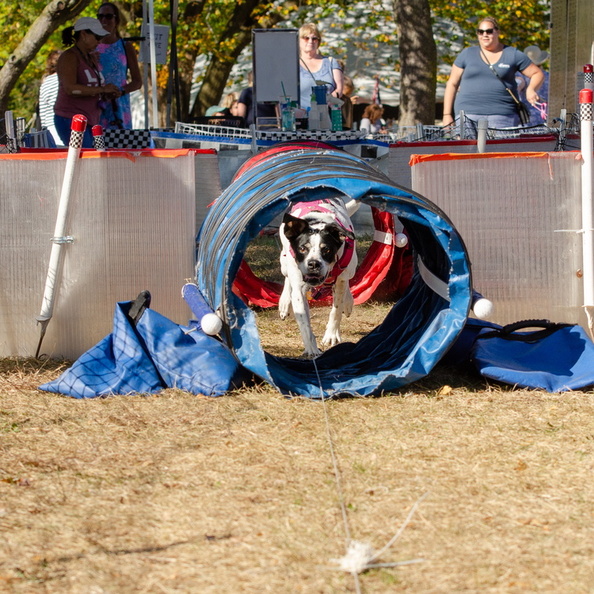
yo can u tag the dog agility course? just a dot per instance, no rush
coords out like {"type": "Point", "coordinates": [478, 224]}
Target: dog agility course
{"type": "Point", "coordinates": [133, 216]}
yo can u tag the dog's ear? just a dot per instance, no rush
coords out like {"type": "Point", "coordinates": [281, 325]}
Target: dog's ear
{"type": "Point", "coordinates": [347, 233]}
{"type": "Point", "coordinates": [340, 234]}
{"type": "Point", "coordinates": [294, 226]}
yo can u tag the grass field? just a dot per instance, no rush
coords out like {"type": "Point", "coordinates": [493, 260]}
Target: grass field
{"type": "Point", "coordinates": [253, 492]}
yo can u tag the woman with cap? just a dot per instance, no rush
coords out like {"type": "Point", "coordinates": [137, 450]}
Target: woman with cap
{"type": "Point", "coordinates": [482, 82]}
{"type": "Point", "coordinates": [117, 58]}
{"type": "Point", "coordinates": [81, 85]}
{"type": "Point", "coordinates": [539, 110]}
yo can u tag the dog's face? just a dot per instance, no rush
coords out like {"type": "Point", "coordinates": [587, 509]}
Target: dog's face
{"type": "Point", "coordinates": [316, 245]}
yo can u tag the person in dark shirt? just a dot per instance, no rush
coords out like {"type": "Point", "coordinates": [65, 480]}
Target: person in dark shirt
{"type": "Point", "coordinates": [245, 104]}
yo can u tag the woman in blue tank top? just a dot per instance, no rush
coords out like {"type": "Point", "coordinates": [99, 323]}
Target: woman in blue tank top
{"type": "Point", "coordinates": [117, 57]}
{"type": "Point", "coordinates": [314, 68]}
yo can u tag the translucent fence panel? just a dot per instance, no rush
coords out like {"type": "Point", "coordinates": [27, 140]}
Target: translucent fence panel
{"type": "Point", "coordinates": [519, 215]}
{"type": "Point", "coordinates": [400, 153]}
{"type": "Point", "coordinates": [133, 222]}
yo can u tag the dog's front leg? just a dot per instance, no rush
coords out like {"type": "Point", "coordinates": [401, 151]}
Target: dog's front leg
{"type": "Point", "coordinates": [284, 302]}
{"type": "Point", "coordinates": [342, 301]}
{"type": "Point", "coordinates": [301, 313]}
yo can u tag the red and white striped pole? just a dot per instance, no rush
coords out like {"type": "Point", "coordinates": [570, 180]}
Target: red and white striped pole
{"type": "Point", "coordinates": [98, 138]}
{"type": "Point", "coordinates": [77, 132]}
{"type": "Point", "coordinates": [587, 147]}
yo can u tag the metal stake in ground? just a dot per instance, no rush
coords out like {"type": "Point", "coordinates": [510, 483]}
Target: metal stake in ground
{"type": "Point", "coordinates": [79, 124]}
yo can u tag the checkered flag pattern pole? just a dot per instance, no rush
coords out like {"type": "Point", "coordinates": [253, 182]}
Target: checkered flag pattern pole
{"type": "Point", "coordinates": [59, 239]}
{"type": "Point", "coordinates": [586, 105]}
{"type": "Point", "coordinates": [77, 131]}
{"type": "Point", "coordinates": [588, 76]}
{"type": "Point", "coordinates": [98, 138]}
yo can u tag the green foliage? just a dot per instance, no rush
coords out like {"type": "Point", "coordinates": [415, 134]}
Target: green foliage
{"type": "Point", "coordinates": [15, 24]}
{"type": "Point", "coordinates": [203, 27]}
{"type": "Point", "coordinates": [521, 22]}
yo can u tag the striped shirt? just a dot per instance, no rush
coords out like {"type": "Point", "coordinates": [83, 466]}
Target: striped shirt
{"type": "Point", "coordinates": [47, 97]}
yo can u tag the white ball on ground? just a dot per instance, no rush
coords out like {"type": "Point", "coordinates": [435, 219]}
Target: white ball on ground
{"type": "Point", "coordinates": [482, 308]}
{"type": "Point", "coordinates": [401, 240]}
{"type": "Point", "coordinates": [211, 324]}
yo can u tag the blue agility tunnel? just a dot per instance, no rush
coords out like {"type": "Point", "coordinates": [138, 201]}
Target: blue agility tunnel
{"type": "Point", "coordinates": [420, 327]}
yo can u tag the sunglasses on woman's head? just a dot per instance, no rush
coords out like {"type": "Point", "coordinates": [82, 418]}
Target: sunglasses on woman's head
{"type": "Point", "coordinates": [312, 37]}
{"type": "Point", "coordinates": [107, 16]}
{"type": "Point", "coordinates": [485, 31]}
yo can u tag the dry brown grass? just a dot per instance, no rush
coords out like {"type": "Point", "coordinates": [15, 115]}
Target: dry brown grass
{"type": "Point", "coordinates": [178, 493]}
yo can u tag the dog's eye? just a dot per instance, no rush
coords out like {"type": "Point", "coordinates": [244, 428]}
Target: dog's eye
{"type": "Point", "coordinates": [303, 249]}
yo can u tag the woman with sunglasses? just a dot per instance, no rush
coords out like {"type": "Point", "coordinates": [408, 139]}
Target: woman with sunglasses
{"type": "Point", "coordinates": [117, 57]}
{"type": "Point", "coordinates": [314, 68]}
{"type": "Point", "coordinates": [481, 80]}
{"type": "Point", "coordinates": [81, 85]}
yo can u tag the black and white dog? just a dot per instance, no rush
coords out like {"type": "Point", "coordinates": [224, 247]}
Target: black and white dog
{"type": "Point", "coordinates": [318, 248]}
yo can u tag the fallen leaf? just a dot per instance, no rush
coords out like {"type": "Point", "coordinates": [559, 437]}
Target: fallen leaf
{"type": "Point", "coordinates": [445, 391]}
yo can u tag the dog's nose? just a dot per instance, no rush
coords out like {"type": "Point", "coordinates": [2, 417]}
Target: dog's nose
{"type": "Point", "coordinates": [314, 265]}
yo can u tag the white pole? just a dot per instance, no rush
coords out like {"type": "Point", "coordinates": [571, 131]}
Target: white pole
{"type": "Point", "coordinates": [11, 142]}
{"type": "Point", "coordinates": [153, 51]}
{"type": "Point", "coordinates": [79, 124]}
{"type": "Point", "coordinates": [587, 149]}
{"type": "Point", "coordinates": [481, 138]}
{"type": "Point", "coordinates": [145, 69]}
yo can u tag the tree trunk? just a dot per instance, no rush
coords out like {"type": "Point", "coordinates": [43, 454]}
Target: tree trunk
{"type": "Point", "coordinates": [418, 62]}
{"type": "Point", "coordinates": [217, 73]}
{"type": "Point", "coordinates": [56, 13]}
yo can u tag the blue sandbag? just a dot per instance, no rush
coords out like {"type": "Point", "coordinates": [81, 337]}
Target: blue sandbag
{"type": "Point", "coordinates": [554, 357]}
{"type": "Point", "coordinates": [147, 357]}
